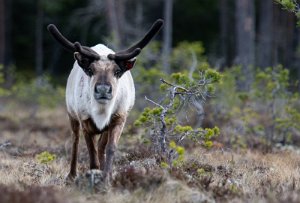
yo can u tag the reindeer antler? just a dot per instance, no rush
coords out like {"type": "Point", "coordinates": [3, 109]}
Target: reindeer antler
{"type": "Point", "coordinates": [134, 50]}
{"type": "Point", "coordinates": [124, 56]}
{"type": "Point", "coordinates": [73, 47]}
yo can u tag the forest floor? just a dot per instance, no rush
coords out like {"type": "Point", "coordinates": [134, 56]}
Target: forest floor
{"type": "Point", "coordinates": [215, 175]}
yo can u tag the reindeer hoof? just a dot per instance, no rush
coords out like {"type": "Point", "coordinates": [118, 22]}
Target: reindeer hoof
{"type": "Point", "coordinates": [93, 181]}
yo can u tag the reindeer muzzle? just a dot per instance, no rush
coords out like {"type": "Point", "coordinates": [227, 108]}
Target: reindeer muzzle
{"type": "Point", "coordinates": [103, 93]}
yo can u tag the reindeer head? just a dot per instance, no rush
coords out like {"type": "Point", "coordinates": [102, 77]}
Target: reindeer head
{"type": "Point", "coordinates": [105, 71]}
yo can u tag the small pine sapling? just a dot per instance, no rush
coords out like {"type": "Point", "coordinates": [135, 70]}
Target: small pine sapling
{"type": "Point", "coordinates": [163, 125]}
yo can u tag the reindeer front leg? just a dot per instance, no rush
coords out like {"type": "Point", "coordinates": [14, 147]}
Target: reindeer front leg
{"type": "Point", "coordinates": [90, 142]}
{"type": "Point", "coordinates": [75, 132]}
{"type": "Point", "coordinates": [101, 149]}
{"type": "Point", "coordinates": [115, 130]}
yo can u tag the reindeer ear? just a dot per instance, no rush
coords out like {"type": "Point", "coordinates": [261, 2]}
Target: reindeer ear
{"type": "Point", "coordinates": [84, 63]}
{"type": "Point", "coordinates": [127, 64]}
{"type": "Point", "coordinates": [77, 56]}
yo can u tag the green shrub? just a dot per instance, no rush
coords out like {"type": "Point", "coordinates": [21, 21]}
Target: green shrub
{"type": "Point", "coordinates": [3, 91]}
{"type": "Point", "coordinates": [265, 115]}
{"type": "Point", "coordinates": [45, 157]}
{"type": "Point", "coordinates": [38, 91]}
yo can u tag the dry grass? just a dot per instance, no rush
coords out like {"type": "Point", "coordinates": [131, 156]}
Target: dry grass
{"type": "Point", "coordinates": [226, 176]}
{"type": "Point", "coordinates": [256, 174]}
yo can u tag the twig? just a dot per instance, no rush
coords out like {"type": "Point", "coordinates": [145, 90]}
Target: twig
{"type": "Point", "coordinates": [153, 102]}
{"type": "Point", "coordinates": [5, 144]}
{"type": "Point", "coordinates": [194, 64]}
{"type": "Point", "coordinates": [178, 87]}
{"type": "Point", "coordinates": [182, 137]}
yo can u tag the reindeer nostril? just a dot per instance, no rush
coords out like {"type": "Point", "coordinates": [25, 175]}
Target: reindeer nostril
{"type": "Point", "coordinates": [109, 89]}
{"type": "Point", "coordinates": [103, 89]}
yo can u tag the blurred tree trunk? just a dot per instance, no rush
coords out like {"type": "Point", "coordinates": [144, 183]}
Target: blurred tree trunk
{"type": "Point", "coordinates": [265, 34]}
{"type": "Point", "coordinates": [5, 40]}
{"type": "Point", "coordinates": [167, 35]}
{"type": "Point", "coordinates": [121, 22]}
{"type": "Point", "coordinates": [224, 19]}
{"type": "Point", "coordinates": [39, 39]}
{"type": "Point", "coordinates": [2, 32]}
{"type": "Point", "coordinates": [115, 14]}
{"type": "Point", "coordinates": [287, 39]}
{"type": "Point", "coordinates": [245, 42]}
{"type": "Point", "coordinates": [284, 36]}
{"type": "Point", "coordinates": [289, 22]}
{"type": "Point", "coordinates": [139, 19]}
{"type": "Point", "coordinates": [276, 26]}
{"type": "Point", "coordinates": [227, 37]}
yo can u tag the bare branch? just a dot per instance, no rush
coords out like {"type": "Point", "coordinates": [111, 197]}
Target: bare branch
{"type": "Point", "coordinates": [153, 102]}
{"type": "Point", "coordinates": [178, 87]}
{"type": "Point", "coordinates": [194, 64]}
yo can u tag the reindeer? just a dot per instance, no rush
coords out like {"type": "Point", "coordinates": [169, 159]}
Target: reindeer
{"type": "Point", "coordinates": [99, 95]}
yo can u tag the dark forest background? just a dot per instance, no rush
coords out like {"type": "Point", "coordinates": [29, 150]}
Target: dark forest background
{"type": "Point", "coordinates": [248, 32]}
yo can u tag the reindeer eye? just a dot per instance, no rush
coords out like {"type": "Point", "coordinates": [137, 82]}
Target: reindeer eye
{"type": "Point", "coordinates": [118, 73]}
